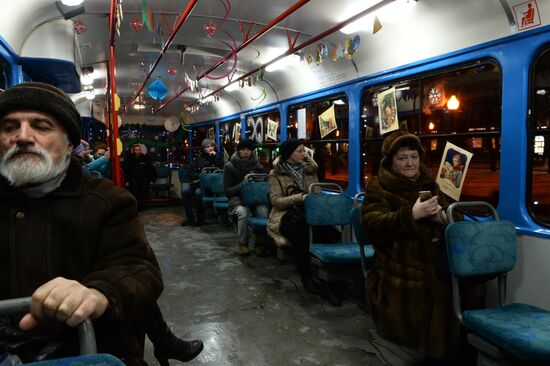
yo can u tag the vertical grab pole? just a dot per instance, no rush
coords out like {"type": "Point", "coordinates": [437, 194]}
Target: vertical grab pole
{"type": "Point", "coordinates": [115, 160]}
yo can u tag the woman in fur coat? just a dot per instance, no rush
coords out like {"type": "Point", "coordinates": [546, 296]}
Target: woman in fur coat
{"type": "Point", "coordinates": [410, 305]}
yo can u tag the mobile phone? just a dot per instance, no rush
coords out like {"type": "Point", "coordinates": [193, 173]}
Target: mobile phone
{"type": "Point", "coordinates": [424, 195]}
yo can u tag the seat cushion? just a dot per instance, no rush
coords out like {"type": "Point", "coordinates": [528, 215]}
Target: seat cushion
{"type": "Point", "coordinates": [221, 205]}
{"type": "Point", "coordinates": [521, 329]}
{"type": "Point", "coordinates": [257, 221]}
{"type": "Point", "coordinates": [336, 253]}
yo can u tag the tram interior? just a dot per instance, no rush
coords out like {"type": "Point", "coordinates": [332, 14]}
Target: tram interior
{"type": "Point", "coordinates": [253, 310]}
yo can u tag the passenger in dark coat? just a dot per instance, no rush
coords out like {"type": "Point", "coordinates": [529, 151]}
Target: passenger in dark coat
{"type": "Point", "coordinates": [409, 304]}
{"type": "Point", "coordinates": [207, 158]}
{"type": "Point", "coordinates": [139, 173]}
{"type": "Point", "coordinates": [73, 242]}
{"type": "Point", "coordinates": [244, 161]}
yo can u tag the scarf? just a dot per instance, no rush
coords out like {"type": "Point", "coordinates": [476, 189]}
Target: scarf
{"type": "Point", "coordinates": [296, 171]}
{"type": "Point", "coordinates": [246, 166]}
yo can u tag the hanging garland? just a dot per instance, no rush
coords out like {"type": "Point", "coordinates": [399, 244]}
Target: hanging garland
{"type": "Point", "coordinates": [129, 136]}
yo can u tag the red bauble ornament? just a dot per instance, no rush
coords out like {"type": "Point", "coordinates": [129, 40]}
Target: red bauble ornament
{"type": "Point", "coordinates": [79, 27]}
{"type": "Point", "coordinates": [136, 24]}
{"type": "Point", "coordinates": [209, 29]}
{"type": "Point", "coordinates": [172, 71]}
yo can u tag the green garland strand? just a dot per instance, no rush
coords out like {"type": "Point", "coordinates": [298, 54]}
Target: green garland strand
{"type": "Point", "coordinates": [176, 140]}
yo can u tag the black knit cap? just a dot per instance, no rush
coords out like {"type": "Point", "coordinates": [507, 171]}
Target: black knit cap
{"type": "Point", "coordinates": [288, 147]}
{"type": "Point", "coordinates": [47, 99]}
{"type": "Point", "coordinates": [246, 144]}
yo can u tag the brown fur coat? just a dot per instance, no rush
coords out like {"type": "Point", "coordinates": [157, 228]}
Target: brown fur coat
{"type": "Point", "coordinates": [410, 305]}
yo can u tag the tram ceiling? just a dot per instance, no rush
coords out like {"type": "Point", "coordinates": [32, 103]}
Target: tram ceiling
{"type": "Point", "coordinates": [193, 51]}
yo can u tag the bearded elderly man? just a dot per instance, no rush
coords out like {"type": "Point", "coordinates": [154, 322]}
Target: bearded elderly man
{"type": "Point", "coordinates": [73, 242]}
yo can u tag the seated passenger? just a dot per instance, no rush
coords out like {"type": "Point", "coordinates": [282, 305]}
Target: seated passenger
{"type": "Point", "coordinates": [75, 243]}
{"type": "Point", "coordinates": [241, 163]}
{"type": "Point", "coordinates": [207, 158]}
{"type": "Point", "coordinates": [100, 166]}
{"type": "Point", "coordinates": [293, 172]}
{"type": "Point", "coordinates": [410, 304]}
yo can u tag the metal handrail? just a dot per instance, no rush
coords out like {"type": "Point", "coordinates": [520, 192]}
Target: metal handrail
{"type": "Point", "coordinates": [356, 198]}
{"type": "Point", "coordinates": [86, 334]}
{"type": "Point", "coordinates": [251, 177]}
{"type": "Point", "coordinates": [324, 185]}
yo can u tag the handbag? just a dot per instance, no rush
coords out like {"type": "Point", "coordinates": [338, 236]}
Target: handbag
{"type": "Point", "coordinates": [294, 216]}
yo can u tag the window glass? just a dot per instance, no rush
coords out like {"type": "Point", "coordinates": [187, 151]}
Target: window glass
{"type": "Point", "coordinates": [4, 75]}
{"type": "Point", "coordinates": [324, 126]}
{"type": "Point", "coordinates": [265, 130]}
{"type": "Point", "coordinates": [461, 106]}
{"type": "Point", "coordinates": [229, 136]}
{"type": "Point", "coordinates": [539, 156]}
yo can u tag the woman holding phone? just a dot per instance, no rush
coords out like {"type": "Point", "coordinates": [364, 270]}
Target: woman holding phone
{"type": "Point", "coordinates": [403, 217]}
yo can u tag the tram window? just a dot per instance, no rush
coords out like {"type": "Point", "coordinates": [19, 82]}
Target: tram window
{"type": "Point", "coordinates": [426, 110]}
{"type": "Point", "coordinates": [539, 153]}
{"type": "Point", "coordinates": [199, 134]}
{"type": "Point", "coordinates": [4, 75]}
{"type": "Point", "coordinates": [330, 143]}
{"type": "Point", "coordinates": [258, 129]}
{"type": "Point", "coordinates": [229, 136]}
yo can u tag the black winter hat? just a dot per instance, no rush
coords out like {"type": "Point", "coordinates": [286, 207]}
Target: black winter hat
{"type": "Point", "coordinates": [246, 144]}
{"type": "Point", "coordinates": [45, 98]}
{"type": "Point", "coordinates": [288, 147]}
{"type": "Point", "coordinates": [394, 141]}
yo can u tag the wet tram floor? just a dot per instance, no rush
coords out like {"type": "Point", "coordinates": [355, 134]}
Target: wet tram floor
{"type": "Point", "coordinates": [252, 311]}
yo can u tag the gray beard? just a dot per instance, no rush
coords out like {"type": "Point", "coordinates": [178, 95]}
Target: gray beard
{"type": "Point", "coordinates": [20, 170]}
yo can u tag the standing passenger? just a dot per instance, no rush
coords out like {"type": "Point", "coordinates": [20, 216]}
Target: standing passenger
{"type": "Point", "coordinates": [241, 163]}
{"type": "Point", "coordinates": [409, 304]}
{"type": "Point", "coordinates": [139, 174]}
{"type": "Point", "coordinates": [207, 158]}
{"type": "Point", "coordinates": [293, 172]}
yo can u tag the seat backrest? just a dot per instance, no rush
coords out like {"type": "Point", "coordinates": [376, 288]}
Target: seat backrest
{"type": "Point", "coordinates": [358, 231]}
{"type": "Point", "coordinates": [328, 209]}
{"type": "Point", "coordinates": [163, 172]}
{"type": "Point", "coordinates": [257, 177]}
{"type": "Point", "coordinates": [164, 175]}
{"type": "Point", "coordinates": [478, 248]}
{"type": "Point", "coordinates": [255, 193]}
{"type": "Point", "coordinates": [216, 184]}
{"type": "Point", "coordinates": [206, 181]}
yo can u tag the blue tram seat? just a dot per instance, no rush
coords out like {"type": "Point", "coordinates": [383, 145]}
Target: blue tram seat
{"type": "Point", "coordinates": [334, 261]}
{"type": "Point", "coordinates": [205, 178]}
{"type": "Point", "coordinates": [255, 192]}
{"type": "Point", "coordinates": [365, 248]}
{"type": "Point", "coordinates": [86, 338]}
{"type": "Point", "coordinates": [163, 183]}
{"type": "Point", "coordinates": [216, 185]}
{"type": "Point", "coordinates": [85, 360]}
{"type": "Point", "coordinates": [507, 332]}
